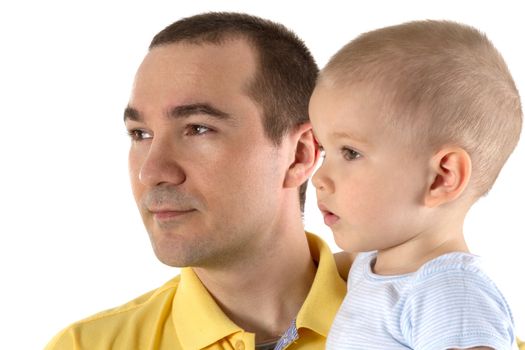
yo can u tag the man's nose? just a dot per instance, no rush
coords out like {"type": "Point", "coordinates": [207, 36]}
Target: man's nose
{"type": "Point", "coordinates": [161, 165]}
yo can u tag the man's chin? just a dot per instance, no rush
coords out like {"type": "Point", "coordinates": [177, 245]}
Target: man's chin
{"type": "Point", "coordinates": [174, 260]}
{"type": "Point", "coordinates": [175, 251]}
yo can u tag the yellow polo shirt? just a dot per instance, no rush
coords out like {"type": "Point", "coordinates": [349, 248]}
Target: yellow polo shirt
{"type": "Point", "coordinates": [182, 315]}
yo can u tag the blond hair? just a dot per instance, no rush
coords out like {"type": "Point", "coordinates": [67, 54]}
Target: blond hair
{"type": "Point", "coordinates": [446, 84]}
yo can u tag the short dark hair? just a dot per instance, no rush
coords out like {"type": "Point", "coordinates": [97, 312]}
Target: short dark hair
{"type": "Point", "coordinates": [286, 73]}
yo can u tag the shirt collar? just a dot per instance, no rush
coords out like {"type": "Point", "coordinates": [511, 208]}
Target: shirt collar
{"type": "Point", "coordinates": [198, 319]}
{"type": "Point", "coordinates": [200, 322]}
{"type": "Point", "coordinates": [327, 291]}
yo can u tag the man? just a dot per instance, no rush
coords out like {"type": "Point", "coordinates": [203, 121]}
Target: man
{"type": "Point", "coordinates": [220, 145]}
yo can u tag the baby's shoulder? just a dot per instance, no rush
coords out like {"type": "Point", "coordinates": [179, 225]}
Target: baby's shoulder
{"type": "Point", "coordinates": [455, 297]}
{"type": "Point", "coordinates": [456, 263]}
{"type": "Point", "coordinates": [452, 273]}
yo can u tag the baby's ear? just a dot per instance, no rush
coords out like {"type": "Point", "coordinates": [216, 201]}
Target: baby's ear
{"type": "Point", "coordinates": [451, 169]}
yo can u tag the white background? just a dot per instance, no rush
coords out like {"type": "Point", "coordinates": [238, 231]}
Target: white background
{"type": "Point", "coordinates": [71, 240]}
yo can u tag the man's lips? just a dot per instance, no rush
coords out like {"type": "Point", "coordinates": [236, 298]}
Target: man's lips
{"type": "Point", "coordinates": [329, 217]}
{"type": "Point", "coordinates": [169, 214]}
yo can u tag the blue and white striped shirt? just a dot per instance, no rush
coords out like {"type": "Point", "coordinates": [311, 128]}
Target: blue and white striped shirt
{"type": "Point", "coordinates": [448, 303]}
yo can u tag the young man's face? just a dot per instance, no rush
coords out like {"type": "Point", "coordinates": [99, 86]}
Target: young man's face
{"type": "Point", "coordinates": [369, 186]}
{"type": "Point", "coordinates": [204, 175]}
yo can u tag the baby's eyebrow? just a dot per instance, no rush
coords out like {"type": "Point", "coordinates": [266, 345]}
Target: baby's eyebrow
{"type": "Point", "coordinates": [347, 135]}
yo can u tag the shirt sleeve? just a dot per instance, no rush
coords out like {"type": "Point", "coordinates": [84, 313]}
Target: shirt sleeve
{"type": "Point", "coordinates": [65, 340]}
{"type": "Point", "coordinates": [456, 309]}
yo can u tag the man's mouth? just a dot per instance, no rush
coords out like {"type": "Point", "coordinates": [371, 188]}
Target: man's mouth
{"type": "Point", "coordinates": [168, 214]}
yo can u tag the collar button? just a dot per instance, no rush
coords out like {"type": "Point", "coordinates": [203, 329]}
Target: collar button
{"type": "Point", "coordinates": [239, 345]}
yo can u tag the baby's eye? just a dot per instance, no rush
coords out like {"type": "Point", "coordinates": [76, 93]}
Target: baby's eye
{"type": "Point", "coordinates": [139, 135]}
{"type": "Point", "coordinates": [196, 129]}
{"type": "Point", "coordinates": [350, 154]}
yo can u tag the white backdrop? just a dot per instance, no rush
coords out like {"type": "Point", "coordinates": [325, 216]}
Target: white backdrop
{"type": "Point", "coordinates": [71, 240]}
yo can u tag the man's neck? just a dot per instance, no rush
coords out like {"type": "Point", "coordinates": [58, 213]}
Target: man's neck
{"type": "Point", "coordinates": [263, 294]}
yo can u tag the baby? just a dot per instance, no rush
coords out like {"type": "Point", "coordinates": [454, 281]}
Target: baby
{"type": "Point", "coordinates": [415, 122]}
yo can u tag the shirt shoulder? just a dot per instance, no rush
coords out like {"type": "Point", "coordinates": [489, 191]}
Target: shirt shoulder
{"type": "Point", "coordinates": [457, 261]}
{"type": "Point", "coordinates": [452, 297]}
{"type": "Point", "coordinates": [134, 317]}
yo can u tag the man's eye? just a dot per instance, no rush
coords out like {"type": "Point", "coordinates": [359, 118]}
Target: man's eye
{"type": "Point", "coordinates": [350, 154]}
{"type": "Point", "coordinates": [196, 129]}
{"type": "Point", "coordinates": [321, 151]}
{"type": "Point", "coordinates": [138, 135]}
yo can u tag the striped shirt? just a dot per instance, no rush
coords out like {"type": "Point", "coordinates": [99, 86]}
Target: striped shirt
{"type": "Point", "coordinates": [448, 303]}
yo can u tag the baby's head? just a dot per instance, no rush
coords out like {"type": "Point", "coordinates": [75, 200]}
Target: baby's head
{"type": "Point", "coordinates": [414, 116]}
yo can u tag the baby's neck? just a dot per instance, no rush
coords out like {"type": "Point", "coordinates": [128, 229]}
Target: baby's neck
{"type": "Point", "coordinates": [411, 255]}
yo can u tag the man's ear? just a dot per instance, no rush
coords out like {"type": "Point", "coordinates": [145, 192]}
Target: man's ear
{"type": "Point", "coordinates": [451, 168]}
{"type": "Point", "coordinates": [305, 156]}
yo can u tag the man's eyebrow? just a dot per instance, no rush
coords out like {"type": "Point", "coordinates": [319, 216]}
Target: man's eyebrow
{"type": "Point", "coordinates": [185, 111]}
{"type": "Point", "coordinates": [131, 113]}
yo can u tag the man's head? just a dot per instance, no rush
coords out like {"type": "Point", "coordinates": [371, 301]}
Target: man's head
{"type": "Point", "coordinates": [218, 119]}
{"type": "Point", "coordinates": [286, 71]}
{"type": "Point", "coordinates": [442, 83]}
